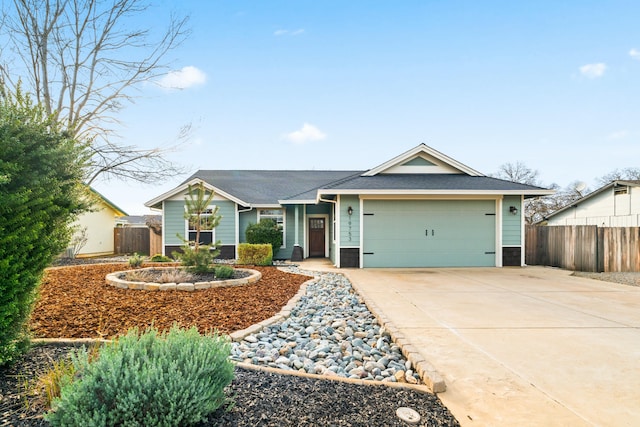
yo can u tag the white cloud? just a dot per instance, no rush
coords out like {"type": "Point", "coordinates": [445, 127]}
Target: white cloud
{"type": "Point", "coordinates": [307, 133]}
{"type": "Point", "coordinates": [635, 54]}
{"type": "Point", "coordinates": [593, 71]}
{"type": "Point", "coordinates": [183, 79]}
{"type": "Point", "coordinates": [618, 134]}
{"type": "Point", "coordinates": [288, 32]}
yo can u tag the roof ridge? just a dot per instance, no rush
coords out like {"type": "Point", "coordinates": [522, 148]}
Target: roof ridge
{"type": "Point", "coordinates": [329, 184]}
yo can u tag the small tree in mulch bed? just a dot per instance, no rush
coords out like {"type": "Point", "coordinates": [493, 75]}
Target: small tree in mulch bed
{"type": "Point", "coordinates": [202, 217]}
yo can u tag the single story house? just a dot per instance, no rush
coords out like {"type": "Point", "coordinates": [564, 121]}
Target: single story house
{"type": "Point", "coordinates": [616, 204]}
{"type": "Point", "coordinates": [93, 234]}
{"type": "Point", "coordinates": [419, 209]}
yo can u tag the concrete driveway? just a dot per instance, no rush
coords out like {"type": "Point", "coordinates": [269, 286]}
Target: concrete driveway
{"type": "Point", "coordinates": [519, 346]}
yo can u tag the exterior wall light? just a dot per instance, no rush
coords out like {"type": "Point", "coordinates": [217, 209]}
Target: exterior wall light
{"type": "Point", "coordinates": [350, 210]}
{"type": "Point", "coordinates": [513, 210]}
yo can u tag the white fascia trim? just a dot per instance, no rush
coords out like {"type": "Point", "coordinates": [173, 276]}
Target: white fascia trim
{"type": "Point", "coordinates": [422, 148]}
{"type": "Point", "coordinates": [268, 206]}
{"type": "Point", "coordinates": [186, 185]}
{"type": "Point", "coordinates": [297, 202]}
{"type": "Point", "coordinates": [437, 192]}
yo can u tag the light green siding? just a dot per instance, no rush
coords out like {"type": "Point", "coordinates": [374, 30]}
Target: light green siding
{"type": "Point", "coordinates": [434, 233]}
{"type": "Point", "coordinates": [226, 230]}
{"type": "Point", "coordinates": [511, 224]}
{"type": "Point", "coordinates": [174, 222]}
{"type": "Point", "coordinates": [289, 224]}
{"type": "Point", "coordinates": [322, 208]}
{"type": "Point", "coordinates": [246, 218]}
{"type": "Point", "coordinates": [349, 225]}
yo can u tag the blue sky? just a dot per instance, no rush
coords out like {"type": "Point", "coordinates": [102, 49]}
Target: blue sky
{"type": "Point", "coordinates": [349, 85]}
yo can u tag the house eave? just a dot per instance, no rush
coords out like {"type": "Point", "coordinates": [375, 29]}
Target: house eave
{"type": "Point", "coordinates": [157, 202]}
{"type": "Point", "coordinates": [530, 193]}
{"type": "Point", "coordinates": [297, 202]}
{"type": "Point", "coordinates": [591, 195]}
{"type": "Point", "coordinates": [109, 203]}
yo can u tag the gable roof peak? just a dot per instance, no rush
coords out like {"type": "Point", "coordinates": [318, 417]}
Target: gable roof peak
{"type": "Point", "coordinates": [441, 163]}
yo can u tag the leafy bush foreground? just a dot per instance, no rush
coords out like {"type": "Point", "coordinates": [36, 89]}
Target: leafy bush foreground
{"type": "Point", "coordinates": [175, 378]}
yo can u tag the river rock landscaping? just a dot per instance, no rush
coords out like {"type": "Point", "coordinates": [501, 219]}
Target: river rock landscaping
{"type": "Point", "coordinates": [330, 332]}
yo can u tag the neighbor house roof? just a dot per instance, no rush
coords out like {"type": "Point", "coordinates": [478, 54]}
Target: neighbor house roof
{"type": "Point", "coordinates": [617, 183]}
{"type": "Point", "coordinates": [109, 203]}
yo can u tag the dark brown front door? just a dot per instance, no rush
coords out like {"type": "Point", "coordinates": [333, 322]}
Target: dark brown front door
{"type": "Point", "coordinates": [316, 237]}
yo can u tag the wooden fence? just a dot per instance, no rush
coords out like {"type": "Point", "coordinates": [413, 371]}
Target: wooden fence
{"type": "Point", "coordinates": [584, 247]}
{"type": "Point", "coordinates": [143, 240]}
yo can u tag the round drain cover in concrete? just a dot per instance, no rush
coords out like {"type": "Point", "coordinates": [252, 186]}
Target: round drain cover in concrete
{"type": "Point", "coordinates": [408, 415]}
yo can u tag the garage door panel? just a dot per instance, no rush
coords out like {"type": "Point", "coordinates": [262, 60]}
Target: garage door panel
{"type": "Point", "coordinates": [429, 233]}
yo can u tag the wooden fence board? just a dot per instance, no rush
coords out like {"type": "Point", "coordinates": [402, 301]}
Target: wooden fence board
{"type": "Point", "coordinates": [127, 240]}
{"type": "Point", "coordinates": [584, 247]}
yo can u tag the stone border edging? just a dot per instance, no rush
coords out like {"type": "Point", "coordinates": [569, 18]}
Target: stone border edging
{"type": "Point", "coordinates": [113, 280]}
{"type": "Point", "coordinates": [424, 368]}
{"type": "Point", "coordinates": [356, 381]}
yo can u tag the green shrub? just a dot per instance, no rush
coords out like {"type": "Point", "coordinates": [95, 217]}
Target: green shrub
{"type": "Point", "coordinates": [224, 272]}
{"type": "Point", "coordinates": [41, 193]}
{"type": "Point", "coordinates": [197, 260]}
{"type": "Point", "coordinates": [266, 231]}
{"type": "Point", "coordinates": [255, 254]}
{"type": "Point", "coordinates": [136, 260]}
{"type": "Point", "coordinates": [176, 378]}
{"type": "Point", "coordinates": [160, 258]}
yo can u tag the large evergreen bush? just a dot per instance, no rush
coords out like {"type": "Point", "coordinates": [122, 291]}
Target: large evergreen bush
{"type": "Point", "coordinates": [176, 378]}
{"type": "Point", "coordinates": [41, 171]}
{"type": "Point", "coordinates": [266, 231]}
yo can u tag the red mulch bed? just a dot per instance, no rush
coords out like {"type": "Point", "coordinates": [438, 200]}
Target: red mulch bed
{"type": "Point", "coordinates": [76, 302]}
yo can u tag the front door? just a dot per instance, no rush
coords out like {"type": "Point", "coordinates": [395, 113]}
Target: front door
{"type": "Point", "coordinates": [316, 237]}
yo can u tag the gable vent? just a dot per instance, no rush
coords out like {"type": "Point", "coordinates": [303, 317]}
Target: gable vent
{"type": "Point", "coordinates": [620, 189]}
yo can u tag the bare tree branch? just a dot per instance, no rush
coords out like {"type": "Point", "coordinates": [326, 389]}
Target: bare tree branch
{"type": "Point", "coordinates": [619, 174]}
{"type": "Point", "coordinates": [82, 59]}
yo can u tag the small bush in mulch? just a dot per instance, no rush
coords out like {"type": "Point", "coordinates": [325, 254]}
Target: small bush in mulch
{"type": "Point", "coordinates": [148, 379]}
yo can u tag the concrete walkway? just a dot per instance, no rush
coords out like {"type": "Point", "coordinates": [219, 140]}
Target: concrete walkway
{"type": "Point", "coordinates": [518, 346]}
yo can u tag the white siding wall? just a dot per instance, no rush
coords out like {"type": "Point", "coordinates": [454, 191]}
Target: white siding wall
{"type": "Point", "coordinates": [99, 226]}
{"type": "Point", "coordinates": [604, 210]}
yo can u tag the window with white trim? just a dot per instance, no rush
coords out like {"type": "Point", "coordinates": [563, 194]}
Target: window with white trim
{"type": "Point", "coordinates": [207, 232]}
{"type": "Point", "coordinates": [278, 215]}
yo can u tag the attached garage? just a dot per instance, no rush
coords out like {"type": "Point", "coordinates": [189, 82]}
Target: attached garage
{"type": "Point", "coordinates": [429, 233]}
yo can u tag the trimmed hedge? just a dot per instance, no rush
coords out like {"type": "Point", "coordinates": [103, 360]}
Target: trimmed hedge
{"type": "Point", "coordinates": [266, 231]}
{"type": "Point", "coordinates": [255, 254]}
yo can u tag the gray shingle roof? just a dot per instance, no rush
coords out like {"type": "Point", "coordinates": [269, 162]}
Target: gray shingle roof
{"type": "Point", "coordinates": [430, 182]}
{"type": "Point", "coordinates": [268, 187]}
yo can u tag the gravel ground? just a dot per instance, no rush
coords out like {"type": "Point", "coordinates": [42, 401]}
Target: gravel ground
{"type": "Point", "coordinates": [625, 278]}
{"type": "Point", "coordinates": [259, 399]}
